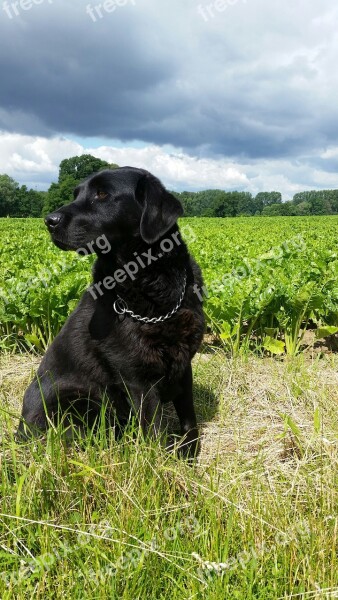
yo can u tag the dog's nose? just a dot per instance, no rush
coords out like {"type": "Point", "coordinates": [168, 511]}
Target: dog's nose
{"type": "Point", "coordinates": [53, 221]}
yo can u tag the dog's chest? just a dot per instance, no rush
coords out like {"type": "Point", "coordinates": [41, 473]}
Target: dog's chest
{"type": "Point", "coordinates": [156, 350]}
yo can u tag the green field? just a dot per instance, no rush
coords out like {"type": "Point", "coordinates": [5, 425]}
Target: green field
{"type": "Point", "coordinates": [255, 518]}
{"type": "Point", "coordinates": [267, 280]}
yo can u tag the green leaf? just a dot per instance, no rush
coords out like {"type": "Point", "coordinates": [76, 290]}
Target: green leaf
{"type": "Point", "coordinates": [289, 422]}
{"type": "Point", "coordinates": [226, 331]}
{"type": "Point", "coordinates": [274, 346]}
{"type": "Point", "coordinates": [324, 332]}
{"type": "Point", "coordinates": [33, 339]}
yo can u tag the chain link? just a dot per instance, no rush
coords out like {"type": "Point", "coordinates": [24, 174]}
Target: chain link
{"type": "Point", "coordinates": [121, 308]}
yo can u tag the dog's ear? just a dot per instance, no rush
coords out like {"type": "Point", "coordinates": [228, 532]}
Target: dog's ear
{"type": "Point", "coordinates": [160, 208]}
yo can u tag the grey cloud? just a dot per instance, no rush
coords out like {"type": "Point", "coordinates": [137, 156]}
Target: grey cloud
{"type": "Point", "coordinates": [255, 81]}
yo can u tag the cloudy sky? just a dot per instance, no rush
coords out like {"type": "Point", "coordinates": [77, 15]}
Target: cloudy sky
{"type": "Point", "coordinates": [234, 94]}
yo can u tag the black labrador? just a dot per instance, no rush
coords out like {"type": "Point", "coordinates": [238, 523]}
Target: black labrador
{"type": "Point", "coordinates": [136, 329]}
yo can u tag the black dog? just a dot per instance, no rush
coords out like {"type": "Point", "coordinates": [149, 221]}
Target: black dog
{"type": "Point", "coordinates": [136, 329]}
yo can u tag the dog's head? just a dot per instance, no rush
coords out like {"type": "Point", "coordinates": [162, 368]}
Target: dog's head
{"type": "Point", "coordinates": [114, 206]}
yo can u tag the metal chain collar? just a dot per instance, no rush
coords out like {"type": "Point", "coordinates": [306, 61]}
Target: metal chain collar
{"type": "Point", "coordinates": [121, 308]}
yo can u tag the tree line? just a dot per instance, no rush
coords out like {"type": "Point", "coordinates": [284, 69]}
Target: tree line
{"type": "Point", "coordinates": [218, 203]}
{"type": "Point", "coordinates": [19, 201]}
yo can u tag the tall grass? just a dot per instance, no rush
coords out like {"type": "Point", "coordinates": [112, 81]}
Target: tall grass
{"type": "Point", "coordinates": [107, 518]}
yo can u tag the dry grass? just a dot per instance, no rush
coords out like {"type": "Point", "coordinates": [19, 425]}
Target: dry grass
{"type": "Point", "coordinates": [240, 403]}
{"type": "Point", "coordinates": [254, 394]}
{"type": "Point", "coordinates": [263, 495]}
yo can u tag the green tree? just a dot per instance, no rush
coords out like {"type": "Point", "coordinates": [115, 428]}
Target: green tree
{"type": "Point", "coordinates": [287, 209]}
{"type": "Point", "coordinates": [320, 205]}
{"type": "Point", "coordinates": [245, 204]}
{"type": "Point", "coordinates": [187, 200]}
{"type": "Point", "coordinates": [223, 205]}
{"type": "Point", "coordinates": [302, 209]}
{"type": "Point", "coordinates": [322, 202]}
{"type": "Point", "coordinates": [332, 196]}
{"type": "Point", "coordinates": [29, 202]}
{"type": "Point", "coordinates": [71, 172]}
{"type": "Point", "coordinates": [267, 198]}
{"type": "Point", "coordinates": [80, 167]}
{"type": "Point", "coordinates": [272, 210]}
{"type": "Point", "coordinates": [52, 199]}
{"type": "Point", "coordinates": [8, 196]}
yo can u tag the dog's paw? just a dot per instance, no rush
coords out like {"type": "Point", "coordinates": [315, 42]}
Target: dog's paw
{"type": "Point", "coordinates": [187, 447]}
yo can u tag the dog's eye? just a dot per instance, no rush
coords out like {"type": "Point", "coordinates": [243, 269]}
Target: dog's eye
{"type": "Point", "coordinates": [101, 195]}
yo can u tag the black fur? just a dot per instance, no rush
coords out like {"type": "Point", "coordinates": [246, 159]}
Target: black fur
{"type": "Point", "coordinates": [98, 352]}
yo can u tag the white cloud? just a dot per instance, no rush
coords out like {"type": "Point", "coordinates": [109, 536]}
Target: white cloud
{"type": "Point", "coordinates": [35, 160]}
{"type": "Point", "coordinates": [177, 169]}
{"type": "Point", "coordinates": [330, 153]}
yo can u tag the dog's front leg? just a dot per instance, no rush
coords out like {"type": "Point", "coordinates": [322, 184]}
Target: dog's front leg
{"type": "Point", "coordinates": [148, 407]}
{"type": "Point", "coordinates": [184, 406]}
